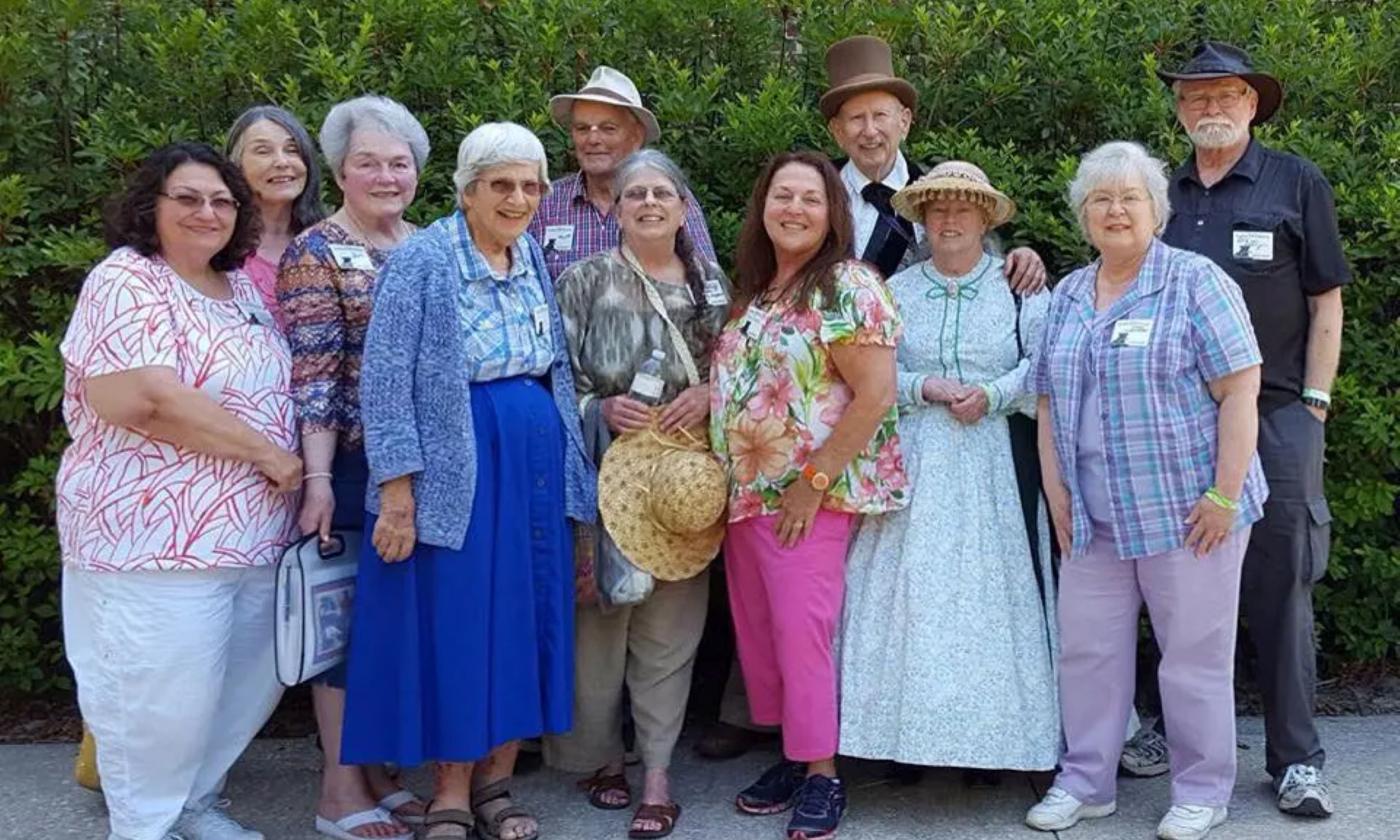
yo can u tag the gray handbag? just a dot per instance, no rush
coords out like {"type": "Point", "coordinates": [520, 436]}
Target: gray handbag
{"type": "Point", "coordinates": [315, 594]}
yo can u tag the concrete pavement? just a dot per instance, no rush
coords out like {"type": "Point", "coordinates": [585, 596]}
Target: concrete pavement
{"type": "Point", "coordinates": [273, 789]}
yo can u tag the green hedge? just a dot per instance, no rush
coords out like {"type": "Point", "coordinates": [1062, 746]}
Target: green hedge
{"type": "Point", "coordinates": [1020, 86]}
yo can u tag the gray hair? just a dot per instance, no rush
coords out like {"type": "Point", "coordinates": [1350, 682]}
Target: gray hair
{"type": "Point", "coordinates": [498, 144]}
{"type": "Point", "coordinates": [373, 112]}
{"type": "Point", "coordinates": [1118, 162]}
{"type": "Point", "coordinates": [306, 209]}
{"type": "Point", "coordinates": [652, 159]}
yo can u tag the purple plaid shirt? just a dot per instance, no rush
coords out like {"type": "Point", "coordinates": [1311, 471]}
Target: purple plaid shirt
{"type": "Point", "coordinates": [570, 228]}
{"type": "Point", "coordinates": [1158, 417]}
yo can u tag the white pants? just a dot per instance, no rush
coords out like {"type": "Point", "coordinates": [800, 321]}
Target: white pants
{"type": "Point", "coordinates": [175, 676]}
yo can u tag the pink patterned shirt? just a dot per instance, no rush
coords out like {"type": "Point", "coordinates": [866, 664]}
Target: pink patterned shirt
{"type": "Point", "coordinates": [131, 502]}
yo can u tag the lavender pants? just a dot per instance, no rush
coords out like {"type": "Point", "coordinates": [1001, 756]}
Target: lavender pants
{"type": "Point", "coordinates": [1193, 603]}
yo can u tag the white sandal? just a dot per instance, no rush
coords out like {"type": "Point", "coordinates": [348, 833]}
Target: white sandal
{"type": "Point", "coordinates": [341, 829]}
{"type": "Point", "coordinates": [399, 798]}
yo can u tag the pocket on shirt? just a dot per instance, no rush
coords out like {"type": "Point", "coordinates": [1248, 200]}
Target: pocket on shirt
{"type": "Point", "coordinates": [1248, 252]}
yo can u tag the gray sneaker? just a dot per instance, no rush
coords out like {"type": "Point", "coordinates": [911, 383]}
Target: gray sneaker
{"type": "Point", "coordinates": [1303, 793]}
{"type": "Point", "coordinates": [1145, 754]}
{"type": "Point", "coordinates": [213, 824]}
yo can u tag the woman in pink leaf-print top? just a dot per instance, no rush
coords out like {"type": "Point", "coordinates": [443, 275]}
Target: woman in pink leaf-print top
{"type": "Point", "coordinates": [176, 494]}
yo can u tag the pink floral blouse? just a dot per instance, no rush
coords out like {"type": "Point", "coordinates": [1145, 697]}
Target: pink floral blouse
{"type": "Point", "coordinates": [775, 396]}
{"type": "Point", "coordinates": [131, 502]}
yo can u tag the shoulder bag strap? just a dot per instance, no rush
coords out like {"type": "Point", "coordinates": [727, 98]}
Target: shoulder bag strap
{"type": "Point", "coordinates": [654, 298]}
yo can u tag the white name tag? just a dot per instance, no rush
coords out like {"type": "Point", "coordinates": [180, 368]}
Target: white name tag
{"type": "Point", "coordinates": [558, 238]}
{"type": "Point", "coordinates": [1252, 245]}
{"type": "Point", "coordinates": [1131, 332]}
{"type": "Point", "coordinates": [351, 257]}
{"type": "Point", "coordinates": [540, 315]}
{"type": "Point", "coordinates": [715, 294]}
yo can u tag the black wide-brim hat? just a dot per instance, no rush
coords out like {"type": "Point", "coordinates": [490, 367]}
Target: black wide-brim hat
{"type": "Point", "coordinates": [1217, 60]}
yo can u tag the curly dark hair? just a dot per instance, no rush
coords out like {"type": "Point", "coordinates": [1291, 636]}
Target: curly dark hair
{"type": "Point", "coordinates": [755, 262]}
{"type": "Point", "coordinates": [131, 216]}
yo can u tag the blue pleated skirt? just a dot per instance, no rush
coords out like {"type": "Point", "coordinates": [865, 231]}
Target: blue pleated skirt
{"type": "Point", "coordinates": [456, 652]}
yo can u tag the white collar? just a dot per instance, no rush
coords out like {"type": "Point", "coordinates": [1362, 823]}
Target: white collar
{"type": "Point", "coordinates": [855, 180]}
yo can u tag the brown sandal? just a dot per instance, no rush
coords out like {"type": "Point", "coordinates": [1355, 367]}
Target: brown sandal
{"type": "Point", "coordinates": [666, 815]}
{"type": "Point", "coordinates": [601, 783]}
{"type": "Point", "coordinates": [448, 816]}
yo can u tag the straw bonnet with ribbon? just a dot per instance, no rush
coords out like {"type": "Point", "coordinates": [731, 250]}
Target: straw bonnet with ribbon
{"type": "Point", "coordinates": [954, 179]}
{"type": "Point", "coordinates": [609, 87]}
{"type": "Point", "coordinates": [662, 498]}
{"type": "Point", "coordinates": [1217, 60]}
{"type": "Point", "coordinates": [857, 65]}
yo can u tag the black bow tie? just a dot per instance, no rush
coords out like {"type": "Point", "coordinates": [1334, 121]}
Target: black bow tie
{"type": "Point", "coordinates": [879, 195]}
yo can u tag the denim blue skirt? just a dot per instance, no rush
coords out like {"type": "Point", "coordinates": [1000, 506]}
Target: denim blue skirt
{"type": "Point", "coordinates": [456, 652]}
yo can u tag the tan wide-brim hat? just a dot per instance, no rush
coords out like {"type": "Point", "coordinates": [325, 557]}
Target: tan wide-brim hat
{"type": "Point", "coordinates": [954, 179]}
{"type": "Point", "coordinates": [610, 87]}
{"type": "Point", "coordinates": [662, 497]}
{"type": "Point", "coordinates": [857, 65]}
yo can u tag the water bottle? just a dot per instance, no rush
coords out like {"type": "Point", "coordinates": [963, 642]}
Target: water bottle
{"type": "Point", "coordinates": [647, 385]}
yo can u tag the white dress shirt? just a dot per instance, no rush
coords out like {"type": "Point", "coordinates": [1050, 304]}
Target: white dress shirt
{"type": "Point", "coordinates": [863, 213]}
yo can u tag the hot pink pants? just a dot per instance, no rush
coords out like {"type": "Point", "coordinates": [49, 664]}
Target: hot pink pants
{"type": "Point", "coordinates": [787, 607]}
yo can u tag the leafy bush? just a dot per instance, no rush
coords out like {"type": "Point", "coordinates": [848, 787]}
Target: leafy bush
{"type": "Point", "coordinates": [1021, 86]}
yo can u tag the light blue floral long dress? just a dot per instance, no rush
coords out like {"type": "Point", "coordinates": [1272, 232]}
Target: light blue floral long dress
{"type": "Point", "coordinates": [948, 642]}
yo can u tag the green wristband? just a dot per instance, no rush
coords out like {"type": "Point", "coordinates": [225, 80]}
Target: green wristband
{"type": "Point", "coordinates": [1221, 499]}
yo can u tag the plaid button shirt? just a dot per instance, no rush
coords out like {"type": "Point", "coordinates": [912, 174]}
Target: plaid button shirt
{"type": "Point", "coordinates": [1159, 419]}
{"type": "Point", "coordinates": [567, 206]}
{"type": "Point", "coordinates": [505, 319]}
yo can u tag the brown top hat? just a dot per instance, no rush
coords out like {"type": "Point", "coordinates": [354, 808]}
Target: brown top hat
{"type": "Point", "coordinates": [857, 65]}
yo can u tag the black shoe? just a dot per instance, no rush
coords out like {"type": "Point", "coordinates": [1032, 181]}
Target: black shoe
{"type": "Point", "coordinates": [904, 775]}
{"type": "Point", "coordinates": [820, 804]}
{"type": "Point", "coordinates": [976, 778]}
{"type": "Point", "coordinates": [724, 741]}
{"type": "Point", "coordinates": [775, 790]}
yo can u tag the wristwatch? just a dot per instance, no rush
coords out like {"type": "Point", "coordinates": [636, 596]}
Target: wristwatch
{"type": "Point", "coordinates": [818, 479]}
{"type": "Point", "coordinates": [1317, 398]}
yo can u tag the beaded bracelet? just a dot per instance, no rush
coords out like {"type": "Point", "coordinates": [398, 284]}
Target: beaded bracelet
{"type": "Point", "coordinates": [1221, 499]}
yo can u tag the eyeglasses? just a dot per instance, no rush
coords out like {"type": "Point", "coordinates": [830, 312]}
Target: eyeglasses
{"type": "Point", "coordinates": [193, 202]}
{"type": "Point", "coordinates": [1197, 102]}
{"type": "Point", "coordinates": [637, 195]}
{"type": "Point", "coordinates": [1103, 202]}
{"type": "Point", "coordinates": [608, 130]}
{"type": "Point", "coordinates": [507, 186]}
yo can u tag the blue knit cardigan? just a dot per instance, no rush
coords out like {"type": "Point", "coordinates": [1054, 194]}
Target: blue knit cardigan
{"type": "Point", "coordinates": [415, 400]}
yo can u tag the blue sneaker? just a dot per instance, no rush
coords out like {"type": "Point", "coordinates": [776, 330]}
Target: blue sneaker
{"type": "Point", "coordinates": [820, 804]}
{"type": "Point", "coordinates": [775, 790]}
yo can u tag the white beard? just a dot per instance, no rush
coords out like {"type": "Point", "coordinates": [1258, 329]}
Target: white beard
{"type": "Point", "coordinates": [1218, 135]}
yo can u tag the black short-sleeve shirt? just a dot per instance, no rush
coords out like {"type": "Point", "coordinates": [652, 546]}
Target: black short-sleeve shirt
{"type": "Point", "coordinates": [1272, 225]}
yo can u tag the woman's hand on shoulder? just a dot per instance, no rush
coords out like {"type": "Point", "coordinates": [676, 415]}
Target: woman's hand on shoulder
{"type": "Point", "coordinates": [394, 532]}
{"type": "Point", "coordinates": [688, 409]}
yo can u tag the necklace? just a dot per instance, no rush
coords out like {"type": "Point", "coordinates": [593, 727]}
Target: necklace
{"type": "Point", "coordinates": [400, 230]}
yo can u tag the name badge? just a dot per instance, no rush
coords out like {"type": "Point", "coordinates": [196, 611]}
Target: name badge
{"type": "Point", "coordinates": [558, 238]}
{"type": "Point", "coordinates": [540, 315]}
{"type": "Point", "coordinates": [1252, 245]}
{"type": "Point", "coordinates": [1131, 332]}
{"type": "Point", "coordinates": [715, 294]}
{"type": "Point", "coordinates": [351, 257]}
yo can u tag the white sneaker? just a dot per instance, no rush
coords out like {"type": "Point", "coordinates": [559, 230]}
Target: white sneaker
{"type": "Point", "coordinates": [1190, 822]}
{"type": "Point", "coordinates": [213, 824]}
{"type": "Point", "coordinates": [1058, 811]}
{"type": "Point", "coordinates": [1303, 792]}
